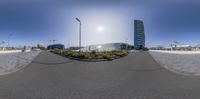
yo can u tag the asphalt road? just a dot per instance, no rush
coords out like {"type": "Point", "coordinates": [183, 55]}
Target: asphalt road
{"type": "Point", "coordinates": [136, 76]}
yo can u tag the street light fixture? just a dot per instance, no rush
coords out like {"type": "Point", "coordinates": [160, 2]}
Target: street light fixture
{"type": "Point", "coordinates": [79, 33]}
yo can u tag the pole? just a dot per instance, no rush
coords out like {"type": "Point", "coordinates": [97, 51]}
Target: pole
{"type": "Point", "coordinates": [68, 44]}
{"type": "Point", "coordinates": [126, 44]}
{"type": "Point", "coordinates": [172, 45]}
{"type": "Point", "coordinates": [79, 33]}
{"type": "Point", "coordinates": [80, 37]}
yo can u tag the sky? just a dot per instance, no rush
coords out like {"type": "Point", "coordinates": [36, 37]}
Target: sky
{"type": "Point", "coordinates": [29, 22]}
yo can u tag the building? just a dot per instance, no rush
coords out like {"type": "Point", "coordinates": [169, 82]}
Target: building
{"type": "Point", "coordinates": [177, 47]}
{"type": "Point", "coordinates": [40, 46]}
{"type": "Point", "coordinates": [139, 36]}
{"type": "Point", "coordinates": [108, 47]}
{"type": "Point", "coordinates": [181, 47]}
{"type": "Point", "coordinates": [56, 46]}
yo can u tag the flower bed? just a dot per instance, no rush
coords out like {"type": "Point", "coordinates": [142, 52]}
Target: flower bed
{"type": "Point", "coordinates": [107, 55]}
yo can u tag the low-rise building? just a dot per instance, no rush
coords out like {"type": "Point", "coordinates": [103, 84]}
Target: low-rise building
{"type": "Point", "coordinates": [56, 46]}
{"type": "Point", "coordinates": [108, 47]}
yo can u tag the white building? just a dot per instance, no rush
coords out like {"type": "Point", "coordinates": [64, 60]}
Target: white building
{"type": "Point", "coordinates": [107, 47]}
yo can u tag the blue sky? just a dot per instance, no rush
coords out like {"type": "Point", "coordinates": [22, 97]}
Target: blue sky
{"type": "Point", "coordinates": [32, 22]}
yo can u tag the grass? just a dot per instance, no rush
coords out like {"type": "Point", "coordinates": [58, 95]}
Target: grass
{"type": "Point", "coordinates": [108, 55]}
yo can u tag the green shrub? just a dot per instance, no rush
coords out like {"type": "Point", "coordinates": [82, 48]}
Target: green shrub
{"type": "Point", "coordinates": [87, 55]}
{"type": "Point", "coordinates": [120, 53]}
{"type": "Point", "coordinates": [75, 55]}
{"type": "Point", "coordinates": [109, 55]}
{"type": "Point", "coordinates": [56, 51]}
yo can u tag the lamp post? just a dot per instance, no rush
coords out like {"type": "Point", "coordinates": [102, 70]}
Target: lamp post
{"type": "Point", "coordinates": [79, 33]}
{"type": "Point", "coordinates": [127, 44]}
{"type": "Point", "coordinates": [172, 45]}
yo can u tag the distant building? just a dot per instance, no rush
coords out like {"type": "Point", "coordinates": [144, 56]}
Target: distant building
{"type": "Point", "coordinates": [40, 46]}
{"type": "Point", "coordinates": [175, 47]}
{"type": "Point", "coordinates": [139, 36]}
{"type": "Point", "coordinates": [108, 47]}
{"type": "Point", "coordinates": [56, 46]}
{"type": "Point", "coordinates": [75, 48]}
{"type": "Point", "coordinates": [181, 47]}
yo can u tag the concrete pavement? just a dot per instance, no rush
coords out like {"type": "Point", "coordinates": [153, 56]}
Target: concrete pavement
{"type": "Point", "coordinates": [137, 76]}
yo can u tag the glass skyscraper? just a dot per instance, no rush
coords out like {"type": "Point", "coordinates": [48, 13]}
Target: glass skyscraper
{"type": "Point", "coordinates": [139, 36]}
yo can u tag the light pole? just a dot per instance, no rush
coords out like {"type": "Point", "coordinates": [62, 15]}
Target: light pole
{"type": "Point", "coordinates": [172, 45]}
{"type": "Point", "coordinates": [126, 43]}
{"type": "Point", "coordinates": [79, 33]}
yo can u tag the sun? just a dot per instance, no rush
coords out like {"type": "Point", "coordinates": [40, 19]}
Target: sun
{"type": "Point", "coordinates": [99, 28]}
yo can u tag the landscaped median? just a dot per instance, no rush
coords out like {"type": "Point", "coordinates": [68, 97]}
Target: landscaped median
{"type": "Point", "coordinates": [91, 56]}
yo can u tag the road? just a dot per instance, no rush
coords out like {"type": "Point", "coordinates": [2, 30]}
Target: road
{"type": "Point", "coordinates": [136, 76]}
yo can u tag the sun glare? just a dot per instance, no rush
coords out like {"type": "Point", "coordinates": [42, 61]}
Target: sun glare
{"type": "Point", "coordinates": [100, 28]}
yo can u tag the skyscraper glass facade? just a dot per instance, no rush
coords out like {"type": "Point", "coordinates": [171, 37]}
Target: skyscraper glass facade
{"type": "Point", "coordinates": [139, 36]}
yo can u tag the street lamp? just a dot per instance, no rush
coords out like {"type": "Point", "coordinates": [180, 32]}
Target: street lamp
{"type": "Point", "coordinates": [127, 44]}
{"type": "Point", "coordinates": [79, 33]}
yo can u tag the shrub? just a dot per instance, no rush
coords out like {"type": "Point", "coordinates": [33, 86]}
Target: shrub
{"type": "Point", "coordinates": [109, 55]}
{"type": "Point", "coordinates": [87, 55]}
{"type": "Point", "coordinates": [120, 53]}
{"type": "Point", "coordinates": [56, 51]}
{"type": "Point", "coordinates": [75, 55]}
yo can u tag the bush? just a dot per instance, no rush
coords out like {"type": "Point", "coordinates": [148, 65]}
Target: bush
{"type": "Point", "coordinates": [75, 55]}
{"type": "Point", "coordinates": [87, 55]}
{"type": "Point", "coordinates": [109, 55]}
{"type": "Point", "coordinates": [56, 51]}
{"type": "Point", "coordinates": [120, 53]}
